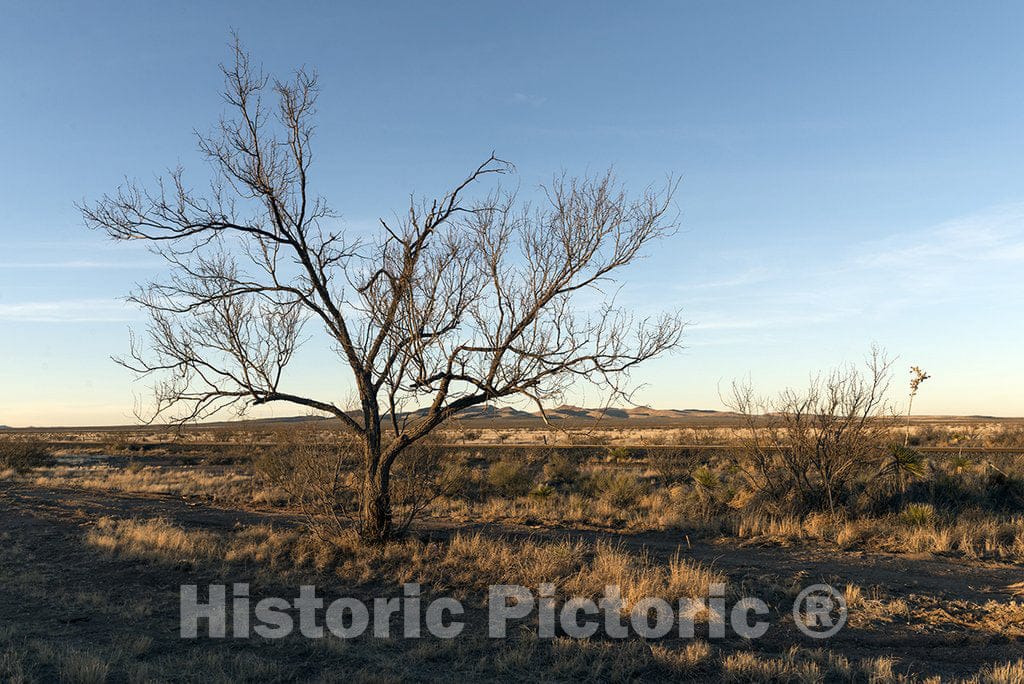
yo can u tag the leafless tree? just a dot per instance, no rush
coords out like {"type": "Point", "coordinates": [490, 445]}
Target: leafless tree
{"type": "Point", "coordinates": [458, 302]}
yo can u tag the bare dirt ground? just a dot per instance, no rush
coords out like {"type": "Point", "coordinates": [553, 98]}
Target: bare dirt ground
{"type": "Point", "coordinates": [935, 616]}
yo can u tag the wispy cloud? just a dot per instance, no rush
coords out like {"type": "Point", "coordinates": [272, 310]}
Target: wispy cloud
{"type": "Point", "coordinates": [996, 235]}
{"type": "Point", "coordinates": [68, 311]}
{"type": "Point", "coordinates": [868, 282]}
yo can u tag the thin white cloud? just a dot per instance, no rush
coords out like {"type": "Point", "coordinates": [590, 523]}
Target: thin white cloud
{"type": "Point", "coordinates": [996, 235]}
{"type": "Point", "coordinates": [68, 311]}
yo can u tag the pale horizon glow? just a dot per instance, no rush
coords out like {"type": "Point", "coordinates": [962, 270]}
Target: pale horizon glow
{"type": "Point", "coordinates": [850, 175]}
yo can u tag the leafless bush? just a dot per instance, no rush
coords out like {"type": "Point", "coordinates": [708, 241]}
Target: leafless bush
{"type": "Point", "coordinates": [675, 464]}
{"type": "Point", "coordinates": [22, 456]}
{"type": "Point", "coordinates": [802, 449]}
{"type": "Point", "coordinates": [317, 475]}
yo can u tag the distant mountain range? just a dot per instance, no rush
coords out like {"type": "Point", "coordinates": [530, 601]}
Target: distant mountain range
{"type": "Point", "coordinates": [568, 412]}
{"type": "Point", "coordinates": [576, 414]}
{"type": "Point", "coordinates": [506, 416]}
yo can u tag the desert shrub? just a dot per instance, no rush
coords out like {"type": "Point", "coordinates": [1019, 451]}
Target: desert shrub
{"type": "Point", "coordinates": [617, 454]}
{"type": "Point", "coordinates": [542, 491]}
{"type": "Point", "coordinates": [710, 495]}
{"type": "Point", "coordinates": [803, 450]}
{"type": "Point", "coordinates": [901, 464]}
{"type": "Point", "coordinates": [928, 435]}
{"type": "Point", "coordinates": [657, 439]}
{"type": "Point", "coordinates": [118, 443]}
{"type": "Point", "coordinates": [422, 474]}
{"type": "Point", "coordinates": [948, 492]}
{"type": "Point", "coordinates": [960, 463]}
{"type": "Point", "coordinates": [23, 455]}
{"type": "Point", "coordinates": [562, 467]}
{"type": "Point", "coordinates": [317, 474]}
{"type": "Point", "coordinates": [675, 465]}
{"type": "Point", "coordinates": [1007, 436]}
{"type": "Point", "coordinates": [618, 489]}
{"type": "Point", "coordinates": [510, 478]}
{"type": "Point", "coordinates": [1004, 492]}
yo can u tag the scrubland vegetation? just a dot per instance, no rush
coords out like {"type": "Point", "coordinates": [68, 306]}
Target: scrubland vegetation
{"type": "Point", "coordinates": [893, 499]}
{"type": "Point", "coordinates": [657, 512]}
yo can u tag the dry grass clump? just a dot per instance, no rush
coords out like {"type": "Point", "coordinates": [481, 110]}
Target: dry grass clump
{"type": "Point", "coordinates": [807, 665]}
{"type": "Point", "coordinates": [1002, 673]}
{"type": "Point", "coordinates": [228, 487]}
{"type": "Point", "coordinates": [473, 562]}
{"type": "Point", "coordinates": [155, 539]}
{"type": "Point", "coordinates": [916, 531]}
{"type": "Point", "coordinates": [750, 667]}
{"type": "Point", "coordinates": [462, 564]}
{"type": "Point", "coordinates": [637, 576]}
{"type": "Point", "coordinates": [573, 660]}
{"type": "Point", "coordinates": [78, 667]}
{"type": "Point", "coordinates": [621, 490]}
{"type": "Point", "coordinates": [38, 660]}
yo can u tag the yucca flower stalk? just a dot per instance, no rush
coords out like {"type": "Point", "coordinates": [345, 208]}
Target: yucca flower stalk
{"type": "Point", "coordinates": [917, 377]}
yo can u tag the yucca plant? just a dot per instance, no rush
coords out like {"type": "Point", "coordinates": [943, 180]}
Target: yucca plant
{"type": "Point", "coordinates": [918, 515]}
{"type": "Point", "coordinates": [902, 464]}
{"type": "Point", "coordinates": [961, 463]}
{"type": "Point", "coordinates": [706, 482]}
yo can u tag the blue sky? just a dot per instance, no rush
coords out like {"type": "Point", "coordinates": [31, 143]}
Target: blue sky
{"type": "Point", "coordinates": [850, 173]}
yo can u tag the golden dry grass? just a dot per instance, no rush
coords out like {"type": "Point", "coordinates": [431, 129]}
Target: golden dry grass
{"type": "Point", "coordinates": [465, 562]}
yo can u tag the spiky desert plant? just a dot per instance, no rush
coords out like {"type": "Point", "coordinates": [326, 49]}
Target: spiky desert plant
{"type": "Point", "coordinates": [903, 462]}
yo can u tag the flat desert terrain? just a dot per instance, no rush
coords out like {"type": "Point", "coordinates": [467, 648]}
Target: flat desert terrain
{"type": "Point", "coordinates": [101, 532]}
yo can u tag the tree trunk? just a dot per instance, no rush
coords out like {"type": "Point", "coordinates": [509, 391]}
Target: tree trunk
{"type": "Point", "coordinates": [375, 511]}
{"type": "Point", "coordinates": [375, 519]}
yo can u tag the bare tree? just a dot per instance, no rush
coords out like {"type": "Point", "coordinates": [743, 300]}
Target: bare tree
{"type": "Point", "coordinates": [456, 303]}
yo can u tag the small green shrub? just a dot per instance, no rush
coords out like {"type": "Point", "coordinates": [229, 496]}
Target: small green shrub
{"type": "Point", "coordinates": [510, 478]}
{"type": "Point", "coordinates": [918, 515]}
{"type": "Point", "coordinates": [541, 492]}
{"type": "Point", "coordinates": [618, 489]}
{"type": "Point", "coordinates": [562, 468]}
{"type": "Point", "coordinates": [620, 454]}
